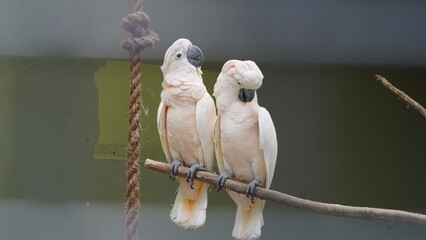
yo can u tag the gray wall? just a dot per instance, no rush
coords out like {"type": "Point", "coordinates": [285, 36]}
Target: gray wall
{"type": "Point", "coordinates": [266, 31]}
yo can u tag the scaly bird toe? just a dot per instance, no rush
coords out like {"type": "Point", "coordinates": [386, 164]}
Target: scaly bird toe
{"type": "Point", "coordinates": [251, 188]}
{"type": "Point", "coordinates": [222, 179]}
{"type": "Point", "coordinates": [192, 171]}
{"type": "Point", "coordinates": [174, 168]}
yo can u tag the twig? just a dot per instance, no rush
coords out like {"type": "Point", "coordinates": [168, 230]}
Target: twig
{"type": "Point", "coordinates": [291, 201]}
{"type": "Point", "coordinates": [402, 95]}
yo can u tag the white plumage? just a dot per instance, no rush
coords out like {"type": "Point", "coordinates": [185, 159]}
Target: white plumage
{"type": "Point", "coordinates": [245, 140]}
{"type": "Point", "coordinates": [185, 122]}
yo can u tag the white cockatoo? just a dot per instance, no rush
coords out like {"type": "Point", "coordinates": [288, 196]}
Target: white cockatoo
{"type": "Point", "coordinates": [185, 122]}
{"type": "Point", "coordinates": [245, 142]}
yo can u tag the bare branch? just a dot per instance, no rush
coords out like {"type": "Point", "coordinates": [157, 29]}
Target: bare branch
{"type": "Point", "coordinates": [402, 95]}
{"type": "Point", "coordinates": [295, 202]}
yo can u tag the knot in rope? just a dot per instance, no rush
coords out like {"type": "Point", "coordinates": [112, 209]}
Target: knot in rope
{"type": "Point", "coordinates": [137, 24]}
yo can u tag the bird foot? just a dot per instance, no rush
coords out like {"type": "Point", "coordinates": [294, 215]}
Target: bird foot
{"type": "Point", "coordinates": [192, 171]}
{"type": "Point", "coordinates": [174, 168]}
{"type": "Point", "coordinates": [222, 179]}
{"type": "Point", "coordinates": [251, 188]}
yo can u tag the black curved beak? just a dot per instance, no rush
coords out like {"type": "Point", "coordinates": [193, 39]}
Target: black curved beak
{"type": "Point", "coordinates": [246, 95]}
{"type": "Point", "coordinates": [195, 56]}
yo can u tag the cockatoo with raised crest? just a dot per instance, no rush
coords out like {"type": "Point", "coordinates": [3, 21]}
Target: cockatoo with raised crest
{"type": "Point", "coordinates": [245, 142]}
{"type": "Point", "coordinates": [185, 122]}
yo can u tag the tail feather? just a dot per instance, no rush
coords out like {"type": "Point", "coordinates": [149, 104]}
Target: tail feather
{"type": "Point", "coordinates": [249, 218]}
{"type": "Point", "coordinates": [189, 209]}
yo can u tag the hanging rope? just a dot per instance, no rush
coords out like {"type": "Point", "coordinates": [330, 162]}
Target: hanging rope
{"type": "Point", "coordinates": [137, 24]}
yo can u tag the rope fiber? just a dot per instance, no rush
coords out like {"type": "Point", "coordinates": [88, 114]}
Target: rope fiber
{"type": "Point", "coordinates": [137, 24]}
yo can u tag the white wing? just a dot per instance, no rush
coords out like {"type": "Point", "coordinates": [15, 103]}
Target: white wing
{"type": "Point", "coordinates": [218, 145]}
{"type": "Point", "coordinates": [205, 117]}
{"type": "Point", "coordinates": [161, 125]}
{"type": "Point", "coordinates": [268, 143]}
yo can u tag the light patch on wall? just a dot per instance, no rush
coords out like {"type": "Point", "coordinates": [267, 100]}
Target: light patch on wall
{"type": "Point", "coordinates": [112, 81]}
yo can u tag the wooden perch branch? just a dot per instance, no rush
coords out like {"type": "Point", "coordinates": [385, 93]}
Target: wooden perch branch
{"type": "Point", "coordinates": [291, 201]}
{"type": "Point", "coordinates": [402, 95]}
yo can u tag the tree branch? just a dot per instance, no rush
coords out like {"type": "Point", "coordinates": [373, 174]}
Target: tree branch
{"type": "Point", "coordinates": [402, 95]}
{"type": "Point", "coordinates": [295, 202]}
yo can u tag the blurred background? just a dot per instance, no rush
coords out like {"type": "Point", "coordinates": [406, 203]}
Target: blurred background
{"type": "Point", "coordinates": [343, 137]}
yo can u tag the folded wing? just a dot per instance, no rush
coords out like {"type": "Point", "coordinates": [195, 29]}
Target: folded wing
{"type": "Point", "coordinates": [205, 118]}
{"type": "Point", "coordinates": [161, 125]}
{"type": "Point", "coordinates": [268, 143]}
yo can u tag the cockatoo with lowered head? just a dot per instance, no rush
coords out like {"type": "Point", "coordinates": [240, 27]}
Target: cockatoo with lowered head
{"type": "Point", "coordinates": [185, 122]}
{"type": "Point", "coordinates": [245, 142]}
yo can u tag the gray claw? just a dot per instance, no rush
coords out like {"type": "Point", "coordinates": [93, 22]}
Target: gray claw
{"type": "Point", "coordinates": [174, 168]}
{"type": "Point", "coordinates": [251, 188]}
{"type": "Point", "coordinates": [192, 171]}
{"type": "Point", "coordinates": [222, 179]}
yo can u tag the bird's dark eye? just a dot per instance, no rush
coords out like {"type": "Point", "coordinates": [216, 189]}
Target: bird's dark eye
{"type": "Point", "coordinates": [179, 55]}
